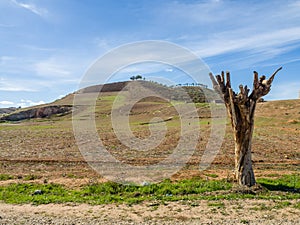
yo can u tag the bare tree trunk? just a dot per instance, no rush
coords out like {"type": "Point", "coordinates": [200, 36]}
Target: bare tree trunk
{"type": "Point", "coordinates": [243, 142]}
{"type": "Point", "coordinates": [241, 109]}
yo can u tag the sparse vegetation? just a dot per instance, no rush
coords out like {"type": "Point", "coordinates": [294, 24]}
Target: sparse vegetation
{"type": "Point", "coordinates": [284, 183]}
{"type": "Point", "coordinates": [244, 221]}
{"type": "Point", "coordinates": [109, 192]}
{"type": "Point", "coordinates": [212, 175]}
{"type": "Point", "coordinates": [5, 177]}
{"type": "Point", "coordinates": [31, 177]}
{"type": "Point", "coordinates": [216, 204]}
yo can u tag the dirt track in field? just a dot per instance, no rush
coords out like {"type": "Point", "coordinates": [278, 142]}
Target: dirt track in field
{"type": "Point", "coordinates": [185, 212]}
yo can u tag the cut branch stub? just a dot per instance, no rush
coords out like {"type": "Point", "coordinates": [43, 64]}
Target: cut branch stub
{"type": "Point", "coordinates": [255, 82]}
{"type": "Point", "coordinates": [223, 78]}
{"type": "Point", "coordinates": [228, 83]}
{"type": "Point", "coordinates": [269, 82]}
{"type": "Point", "coordinates": [262, 86]}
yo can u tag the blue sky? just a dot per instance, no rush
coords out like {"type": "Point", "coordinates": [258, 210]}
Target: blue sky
{"type": "Point", "coordinates": [46, 46]}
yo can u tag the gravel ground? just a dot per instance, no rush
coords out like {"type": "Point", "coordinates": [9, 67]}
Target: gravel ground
{"type": "Point", "coordinates": [199, 212]}
{"type": "Point", "coordinates": [72, 221]}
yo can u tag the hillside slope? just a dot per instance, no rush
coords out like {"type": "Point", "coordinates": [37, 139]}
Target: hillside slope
{"type": "Point", "coordinates": [63, 106]}
{"type": "Point", "coordinates": [47, 147]}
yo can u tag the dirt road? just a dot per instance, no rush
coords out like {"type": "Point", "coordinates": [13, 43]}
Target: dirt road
{"type": "Point", "coordinates": [185, 212]}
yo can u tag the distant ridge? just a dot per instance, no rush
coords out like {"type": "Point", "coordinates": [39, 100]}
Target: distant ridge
{"type": "Point", "coordinates": [110, 87]}
{"type": "Point", "coordinates": [64, 105]}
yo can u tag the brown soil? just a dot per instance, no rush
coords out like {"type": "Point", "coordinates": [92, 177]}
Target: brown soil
{"type": "Point", "coordinates": [47, 148]}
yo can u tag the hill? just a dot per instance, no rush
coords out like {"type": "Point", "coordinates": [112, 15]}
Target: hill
{"type": "Point", "coordinates": [48, 144]}
{"type": "Point", "coordinates": [63, 106]}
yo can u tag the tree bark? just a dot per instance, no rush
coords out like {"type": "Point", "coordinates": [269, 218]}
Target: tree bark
{"type": "Point", "coordinates": [241, 109]}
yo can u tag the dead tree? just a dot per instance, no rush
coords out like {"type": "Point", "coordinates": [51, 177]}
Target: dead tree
{"type": "Point", "coordinates": [241, 108]}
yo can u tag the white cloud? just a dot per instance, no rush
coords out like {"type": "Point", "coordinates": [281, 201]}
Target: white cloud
{"type": "Point", "coordinates": [102, 43]}
{"type": "Point", "coordinates": [32, 8]}
{"type": "Point", "coordinates": [6, 103]}
{"type": "Point", "coordinates": [5, 59]}
{"type": "Point", "coordinates": [18, 74]}
{"type": "Point", "coordinates": [23, 103]}
{"type": "Point", "coordinates": [52, 67]}
{"type": "Point", "coordinates": [282, 62]}
{"type": "Point", "coordinates": [12, 64]}
{"type": "Point", "coordinates": [285, 90]}
{"type": "Point", "coordinates": [38, 48]}
{"type": "Point", "coordinates": [213, 28]}
{"type": "Point", "coordinates": [27, 103]}
{"type": "Point", "coordinates": [194, 13]}
{"type": "Point", "coordinates": [231, 42]}
{"type": "Point", "coordinates": [13, 85]}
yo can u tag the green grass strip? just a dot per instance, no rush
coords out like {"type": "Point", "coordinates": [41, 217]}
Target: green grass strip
{"type": "Point", "coordinates": [109, 192]}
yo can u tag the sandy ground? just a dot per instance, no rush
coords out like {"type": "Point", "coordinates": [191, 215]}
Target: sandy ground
{"type": "Point", "coordinates": [185, 212]}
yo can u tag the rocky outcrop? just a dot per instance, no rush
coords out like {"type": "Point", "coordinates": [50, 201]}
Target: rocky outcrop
{"type": "Point", "coordinates": [7, 110]}
{"type": "Point", "coordinates": [40, 112]}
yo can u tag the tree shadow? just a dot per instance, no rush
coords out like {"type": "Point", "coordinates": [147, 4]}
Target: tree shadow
{"type": "Point", "coordinates": [280, 187]}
